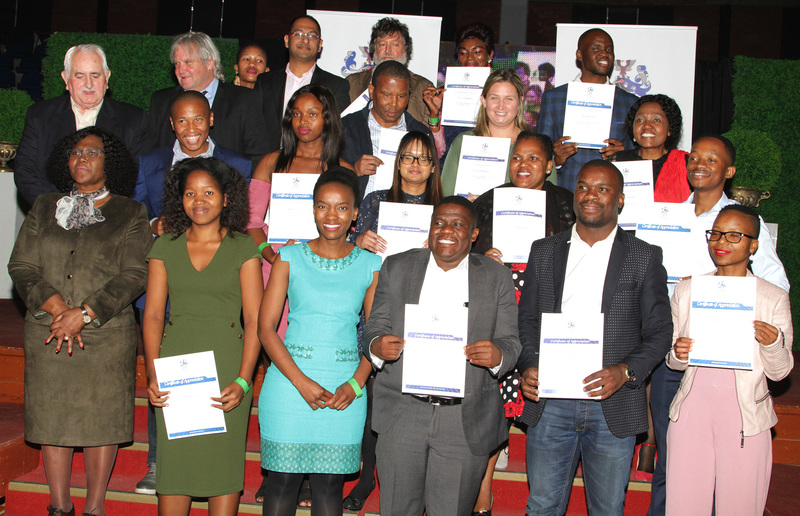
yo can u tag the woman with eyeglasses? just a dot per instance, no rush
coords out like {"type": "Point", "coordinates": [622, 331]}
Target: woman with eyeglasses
{"type": "Point", "coordinates": [78, 264]}
{"type": "Point", "coordinates": [719, 445]}
{"type": "Point", "coordinates": [416, 181]}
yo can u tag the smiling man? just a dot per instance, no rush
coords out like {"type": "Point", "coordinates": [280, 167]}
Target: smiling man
{"type": "Point", "coordinates": [592, 267]}
{"type": "Point", "coordinates": [432, 450]}
{"type": "Point", "coordinates": [389, 91]}
{"type": "Point", "coordinates": [595, 55]}
{"type": "Point", "coordinates": [304, 42]}
{"type": "Point", "coordinates": [85, 77]}
{"type": "Point", "coordinates": [238, 124]}
{"type": "Point", "coordinates": [391, 41]}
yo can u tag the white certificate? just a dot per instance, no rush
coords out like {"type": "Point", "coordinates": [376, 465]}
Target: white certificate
{"type": "Point", "coordinates": [291, 208]}
{"type": "Point", "coordinates": [357, 105]}
{"type": "Point", "coordinates": [464, 85]}
{"type": "Point", "coordinates": [587, 117]}
{"type": "Point", "coordinates": [433, 358]}
{"type": "Point", "coordinates": [403, 226]}
{"type": "Point", "coordinates": [638, 180]}
{"type": "Point", "coordinates": [570, 349]}
{"type": "Point", "coordinates": [517, 220]}
{"type": "Point", "coordinates": [721, 321]}
{"type": "Point", "coordinates": [387, 151]}
{"type": "Point", "coordinates": [669, 226]}
{"type": "Point", "coordinates": [482, 165]}
{"type": "Point", "coordinates": [191, 381]}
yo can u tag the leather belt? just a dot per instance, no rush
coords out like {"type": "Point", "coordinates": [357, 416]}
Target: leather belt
{"type": "Point", "coordinates": [438, 400]}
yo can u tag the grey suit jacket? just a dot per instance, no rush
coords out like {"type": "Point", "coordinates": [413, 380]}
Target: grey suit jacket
{"type": "Point", "coordinates": [492, 316]}
{"type": "Point", "coordinates": [637, 320]}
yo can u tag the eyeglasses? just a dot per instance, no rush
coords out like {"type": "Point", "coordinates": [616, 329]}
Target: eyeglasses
{"type": "Point", "coordinates": [89, 153]}
{"type": "Point", "coordinates": [734, 237]}
{"type": "Point", "coordinates": [408, 159]}
{"type": "Point", "coordinates": [300, 34]}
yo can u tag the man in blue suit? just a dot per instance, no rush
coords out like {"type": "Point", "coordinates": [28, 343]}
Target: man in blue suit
{"type": "Point", "coordinates": [596, 57]}
{"type": "Point", "coordinates": [191, 120]}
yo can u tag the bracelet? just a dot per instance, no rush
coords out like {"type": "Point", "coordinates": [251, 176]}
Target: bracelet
{"type": "Point", "coordinates": [261, 247]}
{"type": "Point", "coordinates": [243, 384]}
{"type": "Point", "coordinates": [433, 121]}
{"type": "Point", "coordinates": [356, 388]}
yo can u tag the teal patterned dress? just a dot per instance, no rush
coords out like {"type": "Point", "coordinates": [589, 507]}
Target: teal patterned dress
{"type": "Point", "coordinates": [325, 298]}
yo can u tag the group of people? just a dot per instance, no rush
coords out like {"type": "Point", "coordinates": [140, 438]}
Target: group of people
{"type": "Point", "coordinates": [173, 205]}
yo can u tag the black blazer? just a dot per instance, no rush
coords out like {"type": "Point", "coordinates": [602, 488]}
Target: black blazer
{"type": "Point", "coordinates": [270, 87]}
{"type": "Point", "coordinates": [50, 120]}
{"type": "Point", "coordinates": [237, 122]}
{"type": "Point", "coordinates": [638, 321]}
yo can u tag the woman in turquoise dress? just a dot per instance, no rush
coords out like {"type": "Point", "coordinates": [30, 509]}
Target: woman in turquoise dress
{"type": "Point", "coordinates": [212, 273]}
{"type": "Point", "coordinates": [312, 410]}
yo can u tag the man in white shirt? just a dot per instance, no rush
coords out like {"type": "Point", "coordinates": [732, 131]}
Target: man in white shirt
{"type": "Point", "coordinates": [304, 42]}
{"type": "Point", "coordinates": [85, 77]}
{"type": "Point", "coordinates": [433, 450]}
{"type": "Point", "coordinates": [710, 166]}
{"type": "Point", "coordinates": [592, 268]}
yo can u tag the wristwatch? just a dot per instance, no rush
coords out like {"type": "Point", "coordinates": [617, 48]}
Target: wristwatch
{"type": "Point", "coordinates": [86, 317]}
{"type": "Point", "coordinates": [629, 374]}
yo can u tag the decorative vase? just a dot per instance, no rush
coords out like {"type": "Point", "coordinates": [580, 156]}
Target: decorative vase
{"type": "Point", "coordinates": [748, 196]}
{"type": "Point", "coordinates": [7, 152]}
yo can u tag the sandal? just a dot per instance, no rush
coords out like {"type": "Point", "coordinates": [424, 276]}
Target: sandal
{"type": "Point", "coordinates": [262, 490]}
{"type": "Point", "coordinates": [304, 495]}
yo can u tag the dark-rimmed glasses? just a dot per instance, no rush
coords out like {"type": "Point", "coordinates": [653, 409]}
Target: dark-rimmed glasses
{"type": "Point", "coordinates": [408, 159]}
{"type": "Point", "coordinates": [733, 237]}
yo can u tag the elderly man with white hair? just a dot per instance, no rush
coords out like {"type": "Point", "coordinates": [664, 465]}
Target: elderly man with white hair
{"type": "Point", "coordinates": [85, 77]}
{"type": "Point", "coordinates": [238, 121]}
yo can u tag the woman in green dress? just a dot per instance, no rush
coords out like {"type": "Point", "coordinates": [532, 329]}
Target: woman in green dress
{"type": "Point", "coordinates": [212, 273]}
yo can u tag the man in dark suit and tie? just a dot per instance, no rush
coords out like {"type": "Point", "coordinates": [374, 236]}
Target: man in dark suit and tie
{"type": "Point", "coordinates": [276, 87]}
{"type": "Point", "coordinates": [596, 56]}
{"type": "Point", "coordinates": [238, 124]}
{"type": "Point", "coordinates": [191, 120]}
{"type": "Point", "coordinates": [595, 267]}
{"type": "Point", "coordinates": [86, 76]}
{"type": "Point", "coordinates": [433, 450]}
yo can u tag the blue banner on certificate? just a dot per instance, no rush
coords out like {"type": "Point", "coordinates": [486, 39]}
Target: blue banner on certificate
{"type": "Point", "coordinates": [587, 116]}
{"type": "Point", "coordinates": [482, 165]}
{"type": "Point", "coordinates": [669, 226]}
{"type": "Point", "coordinates": [721, 321]}
{"type": "Point", "coordinates": [464, 85]}
{"type": "Point", "coordinates": [291, 208]}
{"type": "Point", "coordinates": [517, 220]}
{"type": "Point", "coordinates": [570, 349]}
{"type": "Point", "coordinates": [433, 357]}
{"type": "Point", "coordinates": [191, 381]}
{"type": "Point", "coordinates": [403, 226]}
{"type": "Point", "coordinates": [638, 186]}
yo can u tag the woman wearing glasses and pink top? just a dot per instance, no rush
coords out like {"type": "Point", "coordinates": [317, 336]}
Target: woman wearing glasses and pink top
{"type": "Point", "coordinates": [719, 442]}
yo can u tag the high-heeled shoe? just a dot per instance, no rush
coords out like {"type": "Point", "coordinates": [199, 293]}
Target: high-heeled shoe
{"type": "Point", "coordinates": [54, 511]}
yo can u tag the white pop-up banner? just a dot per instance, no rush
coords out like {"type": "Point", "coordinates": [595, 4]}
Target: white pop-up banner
{"type": "Point", "coordinates": [649, 59]}
{"type": "Point", "coordinates": [345, 41]}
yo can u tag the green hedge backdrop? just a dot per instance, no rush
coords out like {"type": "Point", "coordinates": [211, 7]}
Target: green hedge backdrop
{"type": "Point", "coordinates": [139, 64]}
{"type": "Point", "coordinates": [766, 93]}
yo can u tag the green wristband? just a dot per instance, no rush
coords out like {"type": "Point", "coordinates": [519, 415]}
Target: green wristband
{"type": "Point", "coordinates": [354, 384]}
{"type": "Point", "coordinates": [243, 384]}
{"type": "Point", "coordinates": [261, 247]}
{"type": "Point", "coordinates": [433, 121]}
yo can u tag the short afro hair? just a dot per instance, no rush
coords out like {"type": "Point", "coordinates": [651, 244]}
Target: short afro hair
{"type": "Point", "coordinates": [671, 110]}
{"type": "Point", "coordinates": [120, 168]}
{"type": "Point", "coordinates": [477, 31]}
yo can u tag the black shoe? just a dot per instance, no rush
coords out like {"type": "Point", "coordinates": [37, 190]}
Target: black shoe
{"type": "Point", "coordinates": [353, 504]}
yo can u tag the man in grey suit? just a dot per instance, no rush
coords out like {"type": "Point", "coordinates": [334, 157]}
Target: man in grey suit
{"type": "Point", "coordinates": [592, 268]}
{"type": "Point", "coordinates": [432, 451]}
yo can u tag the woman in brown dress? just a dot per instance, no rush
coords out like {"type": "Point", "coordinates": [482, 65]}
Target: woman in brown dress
{"type": "Point", "coordinates": [78, 263]}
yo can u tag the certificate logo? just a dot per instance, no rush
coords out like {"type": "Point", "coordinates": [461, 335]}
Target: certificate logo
{"type": "Point", "coordinates": [636, 82]}
{"type": "Point", "coordinates": [404, 214]}
{"type": "Point", "coordinates": [571, 325]}
{"type": "Point", "coordinates": [434, 318]}
{"type": "Point", "coordinates": [722, 285]}
{"type": "Point", "coordinates": [590, 91]}
{"type": "Point", "coordinates": [664, 210]}
{"type": "Point", "coordinates": [466, 76]}
{"type": "Point", "coordinates": [295, 181]}
{"type": "Point", "coordinates": [484, 148]}
{"type": "Point", "coordinates": [518, 199]}
{"type": "Point", "coordinates": [184, 363]}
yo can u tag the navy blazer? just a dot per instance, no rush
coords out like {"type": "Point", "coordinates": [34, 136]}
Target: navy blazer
{"type": "Point", "coordinates": [271, 86]}
{"type": "Point", "coordinates": [551, 123]}
{"type": "Point", "coordinates": [238, 124]}
{"type": "Point", "coordinates": [358, 141]}
{"type": "Point", "coordinates": [637, 319]}
{"type": "Point", "coordinates": [153, 168]}
{"type": "Point", "coordinates": [50, 120]}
